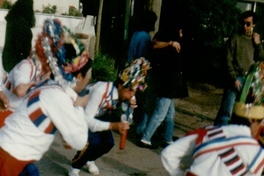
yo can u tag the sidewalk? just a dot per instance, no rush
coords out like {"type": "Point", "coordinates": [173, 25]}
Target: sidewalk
{"type": "Point", "coordinates": [198, 110]}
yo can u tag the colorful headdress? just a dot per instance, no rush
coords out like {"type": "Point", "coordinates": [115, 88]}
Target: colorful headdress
{"type": "Point", "coordinates": [52, 42]}
{"type": "Point", "coordinates": [134, 74]}
{"type": "Point", "coordinates": [251, 101]}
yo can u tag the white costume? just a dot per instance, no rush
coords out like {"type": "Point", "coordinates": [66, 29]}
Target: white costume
{"type": "Point", "coordinates": [29, 131]}
{"type": "Point", "coordinates": [26, 71]}
{"type": "Point", "coordinates": [217, 151]}
{"type": "Point", "coordinates": [102, 96]}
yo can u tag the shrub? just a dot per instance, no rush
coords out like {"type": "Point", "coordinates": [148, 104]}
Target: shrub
{"type": "Point", "coordinates": [6, 5]}
{"type": "Point", "coordinates": [103, 68]}
{"type": "Point", "coordinates": [73, 12]}
{"type": "Point", "coordinates": [49, 9]}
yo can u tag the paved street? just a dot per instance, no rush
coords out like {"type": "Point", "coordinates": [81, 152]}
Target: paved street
{"type": "Point", "coordinates": [198, 110]}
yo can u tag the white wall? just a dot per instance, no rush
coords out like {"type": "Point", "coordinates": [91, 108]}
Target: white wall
{"type": "Point", "coordinates": [75, 24]}
{"type": "Point", "coordinates": [62, 5]}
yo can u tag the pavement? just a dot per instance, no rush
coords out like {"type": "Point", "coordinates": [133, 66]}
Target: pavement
{"type": "Point", "coordinates": [197, 110]}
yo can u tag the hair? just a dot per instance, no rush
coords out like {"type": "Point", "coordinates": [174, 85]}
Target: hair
{"type": "Point", "coordinates": [118, 81]}
{"type": "Point", "coordinates": [235, 119]}
{"type": "Point", "coordinates": [23, 8]}
{"type": "Point", "coordinates": [71, 53]}
{"type": "Point", "coordinates": [84, 69]}
{"type": "Point", "coordinates": [146, 21]}
{"type": "Point", "coordinates": [247, 14]}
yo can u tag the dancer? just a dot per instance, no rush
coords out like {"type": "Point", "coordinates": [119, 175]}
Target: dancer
{"type": "Point", "coordinates": [50, 106]}
{"type": "Point", "coordinates": [103, 98]}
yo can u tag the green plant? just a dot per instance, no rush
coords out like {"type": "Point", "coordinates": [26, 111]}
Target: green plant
{"type": "Point", "coordinates": [6, 5]}
{"type": "Point", "coordinates": [73, 12]}
{"type": "Point", "coordinates": [49, 9]}
{"type": "Point", "coordinates": [211, 20]}
{"type": "Point", "coordinates": [103, 68]}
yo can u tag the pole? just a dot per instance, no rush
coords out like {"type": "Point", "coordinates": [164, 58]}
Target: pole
{"type": "Point", "coordinates": [98, 29]}
{"type": "Point", "coordinates": [127, 16]}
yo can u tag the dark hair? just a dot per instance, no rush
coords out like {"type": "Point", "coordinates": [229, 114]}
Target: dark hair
{"type": "Point", "coordinates": [84, 69]}
{"type": "Point", "coordinates": [118, 81]}
{"type": "Point", "coordinates": [239, 120]}
{"type": "Point", "coordinates": [235, 119]}
{"type": "Point", "coordinates": [247, 14]}
{"type": "Point", "coordinates": [145, 21]}
{"type": "Point", "coordinates": [70, 52]}
{"type": "Point", "coordinates": [22, 8]}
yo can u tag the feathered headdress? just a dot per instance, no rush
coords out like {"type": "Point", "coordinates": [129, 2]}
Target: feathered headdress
{"type": "Point", "coordinates": [134, 74]}
{"type": "Point", "coordinates": [52, 39]}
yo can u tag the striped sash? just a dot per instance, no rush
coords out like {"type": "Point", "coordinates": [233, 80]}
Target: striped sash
{"type": "Point", "coordinates": [225, 149]}
{"type": "Point", "coordinates": [35, 113]}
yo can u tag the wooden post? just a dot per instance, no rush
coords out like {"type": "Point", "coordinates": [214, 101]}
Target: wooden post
{"type": "Point", "coordinates": [127, 16]}
{"type": "Point", "coordinates": [98, 29]}
{"type": "Point", "coordinates": [155, 6]}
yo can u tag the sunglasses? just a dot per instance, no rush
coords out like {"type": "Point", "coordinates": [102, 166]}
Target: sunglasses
{"type": "Point", "coordinates": [246, 23]}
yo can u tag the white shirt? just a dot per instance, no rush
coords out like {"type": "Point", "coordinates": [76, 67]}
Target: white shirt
{"type": "Point", "coordinates": [97, 107]}
{"type": "Point", "coordinates": [210, 164]}
{"type": "Point", "coordinates": [27, 135]}
{"type": "Point", "coordinates": [24, 72]}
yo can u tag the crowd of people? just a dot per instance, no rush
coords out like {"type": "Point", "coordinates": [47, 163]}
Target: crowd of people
{"type": "Point", "coordinates": [47, 91]}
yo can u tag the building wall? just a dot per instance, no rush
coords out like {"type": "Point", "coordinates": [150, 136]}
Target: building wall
{"type": "Point", "coordinates": [79, 25]}
{"type": "Point", "coordinates": [62, 5]}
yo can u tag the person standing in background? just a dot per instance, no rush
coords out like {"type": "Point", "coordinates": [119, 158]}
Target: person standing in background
{"type": "Point", "coordinates": [20, 19]}
{"type": "Point", "coordinates": [243, 50]}
{"type": "Point", "coordinates": [140, 46]}
{"type": "Point", "coordinates": [167, 63]}
{"type": "Point", "coordinates": [90, 7]}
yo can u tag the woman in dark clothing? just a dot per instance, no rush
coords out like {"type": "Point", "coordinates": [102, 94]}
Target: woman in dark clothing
{"type": "Point", "coordinates": [169, 81]}
{"type": "Point", "coordinates": [20, 19]}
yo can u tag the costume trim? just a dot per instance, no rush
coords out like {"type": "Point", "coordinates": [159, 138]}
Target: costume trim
{"type": "Point", "coordinates": [218, 144]}
{"type": "Point", "coordinates": [258, 162]}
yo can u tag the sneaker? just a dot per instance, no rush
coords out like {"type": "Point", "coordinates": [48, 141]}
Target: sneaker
{"type": "Point", "coordinates": [92, 168]}
{"type": "Point", "coordinates": [73, 172]}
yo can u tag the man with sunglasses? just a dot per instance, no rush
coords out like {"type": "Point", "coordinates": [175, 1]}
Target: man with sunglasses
{"type": "Point", "coordinates": [243, 50]}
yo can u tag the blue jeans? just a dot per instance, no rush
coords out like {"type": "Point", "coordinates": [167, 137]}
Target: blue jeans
{"type": "Point", "coordinates": [30, 170]}
{"type": "Point", "coordinates": [142, 124]}
{"type": "Point", "coordinates": [165, 111]}
{"type": "Point", "coordinates": [228, 101]}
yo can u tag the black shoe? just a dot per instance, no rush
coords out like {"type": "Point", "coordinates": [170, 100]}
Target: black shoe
{"type": "Point", "coordinates": [174, 138]}
{"type": "Point", "coordinates": [164, 144]}
{"type": "Point", "coordinates": [144, 145]}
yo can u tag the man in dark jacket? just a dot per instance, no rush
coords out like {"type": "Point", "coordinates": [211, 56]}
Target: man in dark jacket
{"type": "Point", "coordinates": [170, 83]}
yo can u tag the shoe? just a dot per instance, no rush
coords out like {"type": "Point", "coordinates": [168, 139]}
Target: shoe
{"type": "Point", "coordinates": [165, 144]}
{"type": "Point", "coordinates": [146, 145]}
{"type": "Point", "coordinates": [92, 168]}
{"type": "Point", "coordinates": [175, 138]}
{"type": "Point", "coordinates": [73, 172]}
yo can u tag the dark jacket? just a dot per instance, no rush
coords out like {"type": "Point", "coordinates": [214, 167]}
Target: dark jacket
{"type": "Point", "coordinates": [168, 70]}
{"type": "Point", "coordinates": [20, 19]}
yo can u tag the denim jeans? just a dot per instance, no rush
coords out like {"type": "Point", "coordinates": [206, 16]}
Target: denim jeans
{"type": "Point", "coordinates": [165, 111]}
{"type": "Point", "coordinates": [228, 101]}
{"type": "Point", "coordinates": [142, 124]}
{"type": "Point", "coordinates": [30, 170]}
